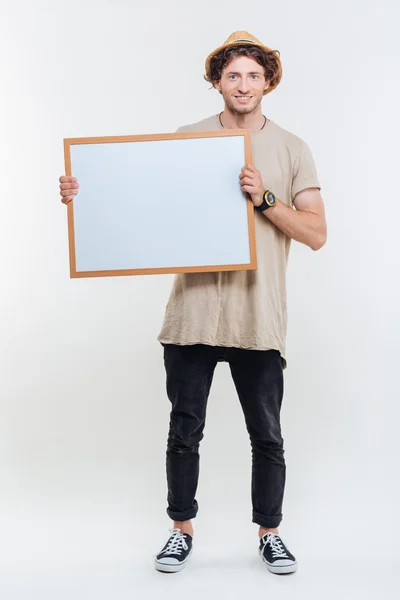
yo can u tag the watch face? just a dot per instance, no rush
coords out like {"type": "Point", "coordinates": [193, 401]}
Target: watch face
{"type": "Point", "coordinates": [270, 198]}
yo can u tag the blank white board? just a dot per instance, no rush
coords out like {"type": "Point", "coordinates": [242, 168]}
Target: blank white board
{"type": "Point", "coordinates": [160, 204]}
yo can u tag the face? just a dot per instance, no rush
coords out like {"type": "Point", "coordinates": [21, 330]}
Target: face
{"type": "Point", "coordinates": [242, 85]}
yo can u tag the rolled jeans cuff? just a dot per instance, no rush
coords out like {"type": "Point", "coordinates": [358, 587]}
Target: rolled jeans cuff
{"type": "Point", "coordinates": [185, 515]}
{"type": "Point", "coordinates": [269, 522]}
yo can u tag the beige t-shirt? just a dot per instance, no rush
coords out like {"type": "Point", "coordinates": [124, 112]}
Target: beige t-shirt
{"type": "Point", "coordinates": [245, 309]}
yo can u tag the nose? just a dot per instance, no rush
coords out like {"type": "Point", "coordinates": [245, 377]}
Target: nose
{"type": "Point", "coordinates": [244, 87]}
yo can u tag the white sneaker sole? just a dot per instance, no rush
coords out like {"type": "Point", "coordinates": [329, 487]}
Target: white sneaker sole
{"type": "Point", "coordinates": [276, 569]}
{"type": "Point", "coordinates": [165, 568]}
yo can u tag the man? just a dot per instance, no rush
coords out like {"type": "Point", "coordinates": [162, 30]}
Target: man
{"type": "Point", "coordinates": [240, 316]}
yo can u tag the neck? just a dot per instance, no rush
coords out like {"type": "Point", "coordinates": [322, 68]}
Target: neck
{"type": "Point", "coordinates": [253, 121]}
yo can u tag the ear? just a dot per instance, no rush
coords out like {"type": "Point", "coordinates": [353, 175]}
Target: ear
{"type": "Point", "coordinates": [217, 85]}
{"type": "Point", "coordinates": [266, 86]}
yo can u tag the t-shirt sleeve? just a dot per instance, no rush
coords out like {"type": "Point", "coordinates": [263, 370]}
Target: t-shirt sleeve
{"type": "Point", "coordinates": [304, 171]}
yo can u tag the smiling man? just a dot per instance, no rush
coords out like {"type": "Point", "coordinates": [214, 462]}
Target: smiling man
{"type": "Point", "coordinates": [239, 316]}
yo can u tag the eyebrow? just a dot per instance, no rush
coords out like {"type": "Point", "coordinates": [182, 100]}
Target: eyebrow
{"type": "Point", "coordinates": [250, 73]}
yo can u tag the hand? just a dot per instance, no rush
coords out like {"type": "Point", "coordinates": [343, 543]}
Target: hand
{"type": "Point", "coordinates": [69, 187]}
{"type": "Point", "coordinates": [251, 182]}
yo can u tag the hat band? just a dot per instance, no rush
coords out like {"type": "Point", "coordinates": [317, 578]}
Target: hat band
{"type": "Point", "coordinates": [249, 41]}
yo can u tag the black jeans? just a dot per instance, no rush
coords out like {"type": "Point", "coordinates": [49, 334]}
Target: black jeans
{"type": "Point", "coordinates": [258, 378]}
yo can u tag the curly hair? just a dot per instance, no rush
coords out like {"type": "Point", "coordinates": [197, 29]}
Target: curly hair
{"type": "Point", "coordinates": [270, 61]}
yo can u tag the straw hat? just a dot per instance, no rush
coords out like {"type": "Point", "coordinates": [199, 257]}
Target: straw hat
{"type": "Point", "coordinates": [244, 38]}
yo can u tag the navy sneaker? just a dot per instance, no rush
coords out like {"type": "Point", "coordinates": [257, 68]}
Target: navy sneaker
{"type": "Point", "coordinates": [275, 555]}
{"type": "Point", "coordinates": [173, 557]}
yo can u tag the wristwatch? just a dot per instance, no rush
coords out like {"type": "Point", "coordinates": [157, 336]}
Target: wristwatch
{"type": "Point", "coordinates": [268, 201]}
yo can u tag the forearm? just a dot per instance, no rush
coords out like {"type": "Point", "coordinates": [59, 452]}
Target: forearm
{"type": "Point", "coordinates": [303, 226]}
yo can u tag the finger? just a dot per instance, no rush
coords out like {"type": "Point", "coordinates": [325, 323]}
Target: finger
{"type": "Point", "coordinates": [66, 200]}
{"type": "Point", "coordinates": [253, 169]}
{"type": "Point", "coordinates": [247, 174]}
{"type": "Point", "coordinates": [69, 186]}
{"type": "Point", "coordinates": [250, 189]}
{"type": "Point", "coordinates": [248, 181]}
{"type": "Point", "coordinates": [248, 169]}
{"type": "Point", "coordinates": [67, 179]}
{"type": "Point", "coordinates": [66, 193]}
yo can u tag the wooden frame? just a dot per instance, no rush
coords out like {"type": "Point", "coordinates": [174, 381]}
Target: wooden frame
{"type": "Point", "coordinates": [77, 272]}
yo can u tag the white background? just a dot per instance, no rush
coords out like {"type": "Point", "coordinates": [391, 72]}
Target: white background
{"type": "Point", "coordinates": [84, 415]}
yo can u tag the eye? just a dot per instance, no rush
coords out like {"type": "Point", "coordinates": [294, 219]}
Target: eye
{"type": "Point", "coordinates": [254, 76]}
{"type": "Point", "coordinates": [232, 76]}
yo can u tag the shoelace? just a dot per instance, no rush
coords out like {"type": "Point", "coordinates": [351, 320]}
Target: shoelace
{"type": "Point", "coordinates": [277, 548]}
{"type": "Point", "coordinates": [177, 543]}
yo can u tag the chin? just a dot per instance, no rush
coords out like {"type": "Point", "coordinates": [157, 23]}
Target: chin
{"type": "Point", "coordinates": [243, 110]}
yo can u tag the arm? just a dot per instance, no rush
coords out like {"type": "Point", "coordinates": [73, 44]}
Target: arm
{"type": "Point", "coordinates": [306, 224]}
